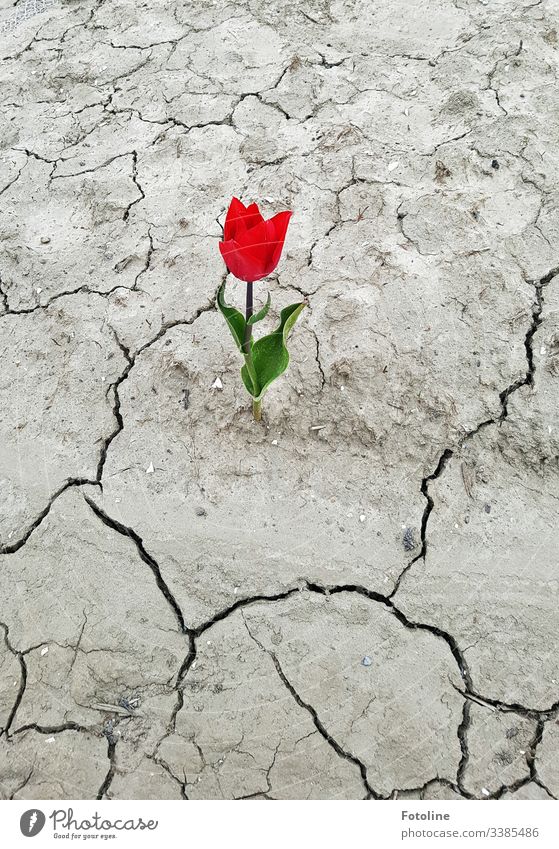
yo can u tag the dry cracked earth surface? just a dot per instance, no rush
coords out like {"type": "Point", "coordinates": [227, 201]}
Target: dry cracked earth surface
{"type": "Point", "coordinates": [357, 598]}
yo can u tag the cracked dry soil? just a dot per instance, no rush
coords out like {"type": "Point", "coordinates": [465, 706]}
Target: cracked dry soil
{"type": "Point", "coordinates": [358, 599]}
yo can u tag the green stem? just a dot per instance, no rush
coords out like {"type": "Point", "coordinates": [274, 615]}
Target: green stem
{"type": "Point", "coordinates": [247, 351]}
{"type": "Point", "coordinates": [248, 313]}
{"type": "Point", "coordinates": [257, 410]}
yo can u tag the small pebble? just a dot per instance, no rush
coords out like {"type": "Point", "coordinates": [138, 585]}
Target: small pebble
{"type": "Point", "coordinates": [495, 164]}
{"type": "Point", "coordinates": [485, 791]}
{"type": "Point", "coordinates": [45, 240]}
{"type": "Point", "coordinates": [487, 508]}
{"type": "Point", "coordinates": [44, 651]}
{"type": "Point", "coordinates": [217, 384]}
{"type": "Point", "coordinates": [366, 661]}
{"type": "Point", "coordinates": [150, 470]}
{"type": "Point", "coordinates": [408, 539]}
{"type": "Point", "coordinates": [274, 442]}
{"type": "Point", "coordinates": [200, 511]}
{"type": "Point", "coordinates": [362, 517]}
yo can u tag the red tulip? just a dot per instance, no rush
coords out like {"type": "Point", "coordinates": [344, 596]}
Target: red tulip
{"type": "Point", "coordinates": [251, 247]}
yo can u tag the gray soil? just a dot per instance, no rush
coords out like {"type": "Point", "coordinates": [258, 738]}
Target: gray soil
{"type": "Point", "coordinates": [358, 597]}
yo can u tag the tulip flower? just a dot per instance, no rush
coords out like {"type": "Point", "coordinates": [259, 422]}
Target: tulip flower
{"type": "Point", "coordinates": [251, 249]}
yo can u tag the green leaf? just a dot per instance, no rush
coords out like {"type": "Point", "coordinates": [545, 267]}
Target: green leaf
{"type": "Point", "coordinates": [269, 354]}
{"type": "Point", "coordinates": [258, 316]}
{"type": "Point", "coordinates": [233, 317]}
{"type": "Point", "coordinates": [247, 381]}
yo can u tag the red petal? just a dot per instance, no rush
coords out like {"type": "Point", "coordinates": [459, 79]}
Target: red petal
{"type": "Point", "coordinates": [240, 218]}
{"type": "Point", "coordinates": [235, 214]}
{"type": "Point", "coordinates": [255, 236]}
{"type": "Point", "coordinates": [255, 249]}
{"type": "Point", "coordinates": [252, 216]}
{"type": "Point", "coordinates": [242, 262]}
{"type": "Point", "coordinates": [278, 228]}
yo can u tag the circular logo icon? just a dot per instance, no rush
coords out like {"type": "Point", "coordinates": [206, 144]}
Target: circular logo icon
{"type": "Point", "coordinates": [32, 822]}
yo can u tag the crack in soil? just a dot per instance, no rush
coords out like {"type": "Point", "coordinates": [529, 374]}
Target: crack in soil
{"type": "Point", "coordinates": [107, 781]}
{"type": "Point", "coordinates": [22, 683]}
{"type": "Point", "coordinates": [448, 453]}
{"type": "Point", "coordinates": [142, 194]}
{"type": "Point", "coordinates": [462, 732]}
{"type": "Point", "coordinates": [441, 466]}
{"type": "Point", "coordinates": [130, 365]}
{"type": "Point", "coordinates": [72, 482]}
{"type": "Point", "coordinates": [319, 725]}
{"type": "Point", "coordinates": [78, 482]}
{"type": "Point", "coordinates": [144, 555]}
